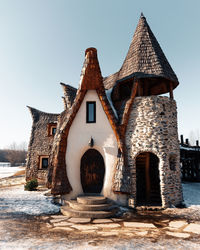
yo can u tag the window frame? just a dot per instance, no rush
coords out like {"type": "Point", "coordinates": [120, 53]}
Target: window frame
{"type": "Point", "coordinates": [50, 128]}
{"type": "Point", "coordinates": [41, 157]}
{"type": "Point", "coordinates": [87, 112]}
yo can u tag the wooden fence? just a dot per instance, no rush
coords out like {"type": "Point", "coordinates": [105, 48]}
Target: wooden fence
{"type": "Point", "coordinates": [190, 161]}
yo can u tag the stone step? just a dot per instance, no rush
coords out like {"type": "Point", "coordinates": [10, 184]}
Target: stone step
{"type": "Point", "coordinates": [70, 212]}
{"type": "Point", "coordinates": [91, 200]}
{"type": "Point", "coordinates": [89, 207]}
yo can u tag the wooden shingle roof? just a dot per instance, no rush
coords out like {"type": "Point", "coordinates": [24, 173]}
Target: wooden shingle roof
{"type": "Point", "coordinates": [145, 59]}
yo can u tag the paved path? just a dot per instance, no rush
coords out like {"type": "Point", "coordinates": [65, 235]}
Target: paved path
{"type": "Point", "coordinates": [149, 226]}
{"type": "Point", "coordinates": [141, 230]}
{"type": "Point", "coordinates": [58, 232]}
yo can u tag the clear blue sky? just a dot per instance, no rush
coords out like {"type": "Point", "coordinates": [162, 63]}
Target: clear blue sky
{"type": "Point", "coordinates": [42, 43]}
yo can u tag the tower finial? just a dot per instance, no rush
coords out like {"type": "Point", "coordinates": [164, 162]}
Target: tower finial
{"type": "Point", "coordinates": [142, 15]}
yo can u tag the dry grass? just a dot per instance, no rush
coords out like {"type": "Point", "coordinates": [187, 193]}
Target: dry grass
{"type": "Point", "coordinates": [21, 172]}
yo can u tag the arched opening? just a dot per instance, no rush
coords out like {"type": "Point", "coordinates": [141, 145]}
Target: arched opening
{"type": "Point", "coordinates": [147, 180]}
{"type": "Point", "coordinates": [92, 171]}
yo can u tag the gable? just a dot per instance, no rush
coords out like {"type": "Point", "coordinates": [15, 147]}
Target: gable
{"type": "Point", "coordinates": [98, 130]}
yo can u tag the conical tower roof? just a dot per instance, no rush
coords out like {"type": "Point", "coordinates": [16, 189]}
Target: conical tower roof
{"type": "Point", "coordinates": [145, 59]}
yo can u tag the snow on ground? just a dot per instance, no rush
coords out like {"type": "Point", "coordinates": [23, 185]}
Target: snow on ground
{"type": "Point", "coordinates": [9, 171]}
{"type": "Point", "coordinates": [29, 202]}
{"type": "Point", "coordinates": [36, 203]}
{"type": "Point", "coordinates": [191, 194]}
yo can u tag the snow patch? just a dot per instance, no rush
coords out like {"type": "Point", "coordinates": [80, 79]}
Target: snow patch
{"type": "Point", "coordinates": [29, 202]}
{"type": "Point", "coordinates": [189, 148]}
{"type": "Point", "coordinates": [9, 171]}
{"type": "Point", "coordinates": [191, 194]}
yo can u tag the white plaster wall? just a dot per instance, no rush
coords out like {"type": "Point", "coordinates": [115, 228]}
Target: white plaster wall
{"type": "Point", "coordinates": [104, 141]}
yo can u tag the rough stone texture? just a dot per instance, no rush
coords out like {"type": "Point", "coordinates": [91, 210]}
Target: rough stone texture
{"type": "Point", "coordinates": [139, 225]}
{"type": "Point", "coordinates": [192, 228]}
{"type": "Point", "coordinates": [69, 95]}
{"type": "Point", "coordinates": [102, 221]}
{"type": "Point", "coordinates": [108, 225]}
{"type": "Point", "coordinates": [152, 128]}
{"type": "Point", "coordinates": [67, 229]}
{"type": "Point", "coordinates": [177, 224]}
{"type": "Point", "coordinates": [108, 234]}
{"type": "Point", "coordinates": [40, 143]}
{"type": "Point", "coordinates": [80, 220]}
{"type": "Point", "coordinates": [62, 224]}
{"type": "Point", "coordinates": [178, 235]}
{"type": "Point", "coordinates": [85, 227]}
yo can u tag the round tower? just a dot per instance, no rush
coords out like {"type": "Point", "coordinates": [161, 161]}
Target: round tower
{"type": "Point", "coordinates": [148, 122]}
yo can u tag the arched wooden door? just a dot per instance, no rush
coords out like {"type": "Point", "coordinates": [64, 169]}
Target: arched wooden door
{"type": "Point", "coordinates": [147, 179]}
{"type": "Point", "coordinates": [92, 171]}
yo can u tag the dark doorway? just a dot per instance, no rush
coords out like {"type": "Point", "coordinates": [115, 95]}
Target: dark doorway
{"type": "Point", "coordinates": [92, 171]}
{"type": "Point", "coordinates": [147, 180]}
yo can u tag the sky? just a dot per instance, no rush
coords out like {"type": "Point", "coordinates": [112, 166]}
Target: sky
{"type": "Point", "coordinates": [42, 43]}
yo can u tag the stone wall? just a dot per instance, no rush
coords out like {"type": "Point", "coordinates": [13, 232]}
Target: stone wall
{"type": "Point", "coordinates": [152, 127]}
{"type": "Point", "coordinates": [40, 143]}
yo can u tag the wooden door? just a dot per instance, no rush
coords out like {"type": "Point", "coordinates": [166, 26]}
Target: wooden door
{"type": "Point", "coordinates": [147, 179]}
{"type": "Point", "coordinates": [92, 171]}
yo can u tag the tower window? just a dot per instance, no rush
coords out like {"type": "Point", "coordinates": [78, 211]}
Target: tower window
{"type": "Point", "coordinates": [90, 112]}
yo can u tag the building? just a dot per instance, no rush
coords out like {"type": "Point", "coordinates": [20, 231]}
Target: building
{"type": "Point", "coordinates": [116, 136]}
{"type": "Point", "coordinates": [190, 161]}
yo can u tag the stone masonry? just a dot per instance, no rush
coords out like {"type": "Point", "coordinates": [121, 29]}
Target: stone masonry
{"type": "Point", "coordinates": [152, 127]}
{"type": "Point", "coordinates": [40, 143]}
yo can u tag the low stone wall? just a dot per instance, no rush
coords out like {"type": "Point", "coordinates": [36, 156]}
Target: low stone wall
{"type": "Point", "coordinates": [152, 127]}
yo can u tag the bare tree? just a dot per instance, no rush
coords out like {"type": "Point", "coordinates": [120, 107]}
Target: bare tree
{"type": "Point", "coordinates": [16, 154]}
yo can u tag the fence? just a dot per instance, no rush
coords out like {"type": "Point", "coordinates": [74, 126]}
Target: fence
{"type": "Point", "coordinates": [190, 160]}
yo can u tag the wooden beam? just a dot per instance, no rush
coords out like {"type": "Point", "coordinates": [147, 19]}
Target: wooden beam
{"type": "Point", "coordinates": [146, 88]}
{"type": "Point", "coordinates": [128, 108]}
{"type": "Point", "coordinates": [140, 89]}
{"type": "Point", "coordinates": [171, 95]}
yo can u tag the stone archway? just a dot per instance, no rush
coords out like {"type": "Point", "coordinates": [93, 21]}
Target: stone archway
{"type": "Point", "coordinates": [147, 179]}
{"type": "Point", "coordinates": [92, 171]}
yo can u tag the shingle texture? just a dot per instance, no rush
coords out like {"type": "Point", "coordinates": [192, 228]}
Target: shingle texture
{"type": "Point", "coordinates": [145, 59]}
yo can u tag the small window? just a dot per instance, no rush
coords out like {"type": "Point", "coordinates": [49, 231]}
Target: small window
{"type": "Point", "coordinates": [90, 112]}
{"type": "Point", "coordinates": [44, 162]}
{"type": "Point", "coordinates": [51, 129]}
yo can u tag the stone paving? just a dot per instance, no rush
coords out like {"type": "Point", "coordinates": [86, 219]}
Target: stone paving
{"type": "Point", "coordinates": [123, 227]}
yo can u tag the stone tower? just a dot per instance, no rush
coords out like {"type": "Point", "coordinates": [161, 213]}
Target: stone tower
{"type": "Point", "coordinates": [150, 131]}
